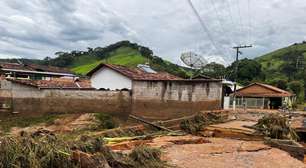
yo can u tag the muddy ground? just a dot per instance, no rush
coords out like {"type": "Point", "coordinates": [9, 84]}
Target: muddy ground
{"type": "Point", "coordinates": [222, 145]}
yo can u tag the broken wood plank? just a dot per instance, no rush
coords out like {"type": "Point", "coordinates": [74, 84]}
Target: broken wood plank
{"type": "Point", "coordinates": [150, 123]}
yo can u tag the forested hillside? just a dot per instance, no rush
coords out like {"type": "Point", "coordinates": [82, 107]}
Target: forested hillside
{"type": "Point", "coordinates": [122, 53]}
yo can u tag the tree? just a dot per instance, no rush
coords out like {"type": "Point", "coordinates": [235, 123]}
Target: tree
{"type": "Point", "coordinates": [248, 71]}
{"type": "Point", "coordinates": [214, 70]}
{"type": "Point", "coordinates": [280, 83]}
{"type": "Point", "coordinates": [297, 87]}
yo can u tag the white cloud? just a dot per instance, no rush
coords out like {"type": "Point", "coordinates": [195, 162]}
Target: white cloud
{"type": "Point", "coordinates": [38, 28]}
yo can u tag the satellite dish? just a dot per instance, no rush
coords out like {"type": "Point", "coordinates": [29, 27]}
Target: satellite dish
{"type": "Point", "coordinates": [193, 60]}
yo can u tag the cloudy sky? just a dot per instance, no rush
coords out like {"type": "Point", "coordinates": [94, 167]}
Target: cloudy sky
{"type": "Point", "coordinates": [39, 28]}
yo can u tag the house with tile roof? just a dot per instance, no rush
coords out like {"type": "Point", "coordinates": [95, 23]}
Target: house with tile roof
{"type": "Point", "coordinates": [109, 76]}
{"type": "Point", "coordinates": [262, 96]}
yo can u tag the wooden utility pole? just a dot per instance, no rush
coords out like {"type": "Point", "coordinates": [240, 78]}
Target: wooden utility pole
{"type": "Point", "coordinates": [236, 70]}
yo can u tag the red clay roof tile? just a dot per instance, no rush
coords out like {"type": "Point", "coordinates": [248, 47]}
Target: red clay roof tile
{"type": "Point", "coordinates": [136, 73]}
{"type": "Point", "coordinates": [55, 83]}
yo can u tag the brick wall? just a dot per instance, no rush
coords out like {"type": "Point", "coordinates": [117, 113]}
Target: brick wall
{"type": "Point", "coordinates": [150, 100]}
{"type": "Point", "coordinates": [27, 100]}
{"type": "Point", "coordinates": [172, 99]}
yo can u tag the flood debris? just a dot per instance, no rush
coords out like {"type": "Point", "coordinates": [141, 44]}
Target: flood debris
{"type": "Point", "coordinates": [50, 151]}
{"type": "Point", "coordinates": [295, 149]}
{"type": "Point", "coordinates": [276, 126]}
{"type": "Point", "coordinates": [195, 124]}
{"type": "Point", "coordinates": [150, 123]}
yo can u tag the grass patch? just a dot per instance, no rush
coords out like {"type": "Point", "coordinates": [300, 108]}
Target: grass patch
{"type": "Point", "coordinates": [84, 69]}
{"type": "Point", "coordinates": [9, 122]}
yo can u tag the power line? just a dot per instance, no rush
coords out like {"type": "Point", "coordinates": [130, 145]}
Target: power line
{"type": "Point", "coordinates": [235, 22]}
{"type": "Point", "coordinates": [240, 18]}
{"type": "Point", "coordinates": [222, 28]}
{"type": "Point", "coordinates": [219, 19]}
{"type": "Point", "coordinates": [249, 22]}
{"type": "Point", "coordinates": [205, 28]}
{"type": "Point", "coordinates": [230, 11]}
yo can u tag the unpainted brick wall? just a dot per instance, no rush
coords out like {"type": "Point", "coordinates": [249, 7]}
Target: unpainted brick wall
{"type": "Point", "coordinates": [162, 100]}
{"type": "Point", "coordinates": [27, 100]}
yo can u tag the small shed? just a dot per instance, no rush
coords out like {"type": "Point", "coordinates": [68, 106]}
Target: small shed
{"type": "Point", "coordinates": [262, 96]}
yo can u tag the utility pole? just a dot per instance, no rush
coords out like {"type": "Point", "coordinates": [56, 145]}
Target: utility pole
{"type": "Point", "coordinates": [236, 70]}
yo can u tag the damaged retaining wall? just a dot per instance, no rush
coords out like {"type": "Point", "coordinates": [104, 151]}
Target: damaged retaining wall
{"type": "Point", "coordinates": [163, 100]}
{"type": "Point", "coordinates": [27, 100]}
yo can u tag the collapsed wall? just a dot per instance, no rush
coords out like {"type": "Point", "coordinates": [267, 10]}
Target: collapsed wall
{"type": "Point", "coordinates": [163, 100]}
{"type": "Point", "coordinates": [28, 100]}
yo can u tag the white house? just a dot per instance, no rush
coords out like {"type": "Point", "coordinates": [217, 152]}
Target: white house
{"type": "Point", "coordinates": [108, 76]}
{"type": "Point", "coordinates": [110, 79]}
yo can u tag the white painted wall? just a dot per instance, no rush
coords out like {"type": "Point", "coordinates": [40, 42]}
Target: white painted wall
{"type": "Point", "coordinates": [226, 104]}
{"type": "Point", "coordinates": [110, 79]}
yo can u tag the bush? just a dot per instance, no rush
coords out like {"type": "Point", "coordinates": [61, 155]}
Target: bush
{"type": "Point", "coordinates": [105, 121]}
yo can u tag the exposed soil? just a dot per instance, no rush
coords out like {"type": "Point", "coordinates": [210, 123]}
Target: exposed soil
{"type": "Point", "coordinates": [65, 124]}
{"type": "Point", "coordinates": [229, 153]}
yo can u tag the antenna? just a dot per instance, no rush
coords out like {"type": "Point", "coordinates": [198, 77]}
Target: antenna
{"type": "Point", "coordinates": [193, 60]}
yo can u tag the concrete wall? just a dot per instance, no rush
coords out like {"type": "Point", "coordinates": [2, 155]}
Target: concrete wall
{"type": "Point", "coordinates": [164, 100]}
{"type": "Point", "coordinates": [109, 79]}
{"type": "Point", "coordinates": [27, 100]}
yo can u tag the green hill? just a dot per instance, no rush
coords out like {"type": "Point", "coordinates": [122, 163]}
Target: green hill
{"type": "Point", "coordinates": [285, 68]}
{"type": "Point", "coordinates": [122, 56]}
{"type": "Point", "coordinates": [286, 63]}
{"type": "Point", "coordinates": [121, 53]}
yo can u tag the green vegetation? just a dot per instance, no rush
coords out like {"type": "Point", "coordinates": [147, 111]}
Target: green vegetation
{"type": "Point", "coordinates": [7, 123]}
{"type": "Point", "coordinates": [285, 68]}
{"type": "Point", "coordinates": [248, 71]}
{"type": "Point", "coordinates": [121, 56]}
{"type": "Point", "coordinates": [214, 70]}
{"type": "Point", "coordinates": [105, 121]}
{"type": "Point", "coordinates": [121, 53]}
{"type": "Point", "coordinates": [84, 69]}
